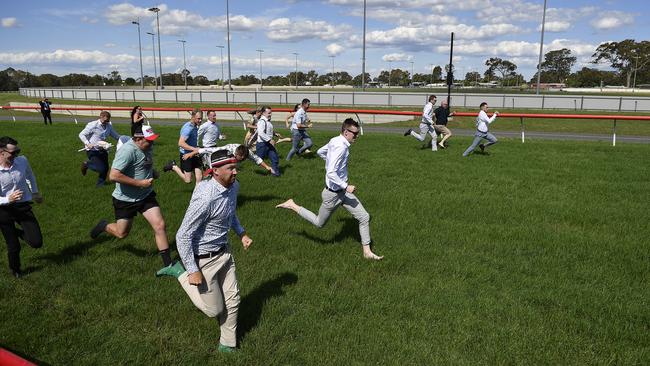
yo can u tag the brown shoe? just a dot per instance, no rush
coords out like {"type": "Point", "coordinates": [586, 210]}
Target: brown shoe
{"type": "Point", "coordinates": [84, 168]}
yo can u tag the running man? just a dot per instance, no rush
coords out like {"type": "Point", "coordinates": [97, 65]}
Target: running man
{"type": "Point", "coordinates": [240, 152]}
{"type": "Point", "coordinates": [337, 191]}
{"type": "Point", "coordinates": [442, 118]}
{"type": "Point", "coordinates": [265, 143]}
{"type": "Point", "coordinates": [299, 125]}
{"type": "Point", "coordinates": [133, 174]}
{"type": "Point", "coordinates": [188, 142]}
{"type": "Point", "coordinates": [94, 137]}
{"type": "Point", "coordinates": [482, 123]}
{"type": "Point", "coordinates": [210, 131]}
{"type": "Point", "coordinates": [426, 125]}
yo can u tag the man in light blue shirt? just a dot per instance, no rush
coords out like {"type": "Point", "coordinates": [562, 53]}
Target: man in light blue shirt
{"type": "Point", "coordinates": [17, 190]}
{"type": "Point", "coordinates": [202, 241]}
{"type": "Point", "coordinates": [187, 143]}
{"type": "Point", "coordinates": [94, 137]}
{"type": "Point", "coordinates": [299, 126]}
{"type": "Point", "coordinates": [133, 174]}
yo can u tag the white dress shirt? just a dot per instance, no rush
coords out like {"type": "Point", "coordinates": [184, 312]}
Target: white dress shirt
{"type": "Point", "coordinates": [482, 121]}
{"type": "Point", "coordinates": [205, 152]}
{"type": "Point", "coordinates": [15, 178]}
{"type": "Point", "coordinates": [264, 130]}
{"type": "Point", "coordinates": [427, 113]}
{"type": "Point", "coordinates": [95, 132]}
{"type": "Point", "coordinates": [209, 133]}
{"type": "Point", "coordinates": [300, 117]}
{"type": "Point", "coordinates": [336, 154]}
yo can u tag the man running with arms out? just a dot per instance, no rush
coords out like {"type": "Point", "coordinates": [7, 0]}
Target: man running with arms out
{"type": "Point", "coordinates": [94, 137]}
{"type": "Point", "coordinates": [240, 152]}
{"type": "Point", "coordinates": [337, 191]}
{"type": "Point", "coordinates": [442, 118]}
{"type": "Point", "coordinates": [299, 125]}
{"type": "Point", "coordinates": [188, 142]}
{"type": "Point", "coordinates": [426, 126]}
{"type": "Point", "coordinates": [210, 132]}
{"type": "Point", "coordinates": [482, 123]}
{"type": "Point", "coordinates": [202, 241]}
{"type": "Point", "coordinates": [16, 196]}
{"type": "Point", "coordinates": [133, 174]}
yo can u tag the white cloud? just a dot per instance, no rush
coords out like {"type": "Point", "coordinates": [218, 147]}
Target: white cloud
{"type": "Point", "coordinates": [9, 22]}
{"type": "Point", "coordinates": [613, 19]}
{"type": "Point", "coordinates": [518, 49]}
{"type": "Point", "coordinates": [295, 29]}
{"type": "Point", "coordinates": [176, 21]}
{"type": "Point", "coordinates": [88, 20]}
{"type": "Point", "coordinates": [555, 26]}
{"type": "Point", "coordinates": [334, 49]}
{"type": "Point", "coordinates": [78, 57]}
{"type": "Point", "coordinates": [392, 57]}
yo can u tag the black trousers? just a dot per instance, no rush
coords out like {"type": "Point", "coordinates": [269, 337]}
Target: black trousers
{"type": "Point", "coordinates": [47, 116]}
{"type": "Point", "coordinates": [21, 214]}
{"type": "Point", "coordinates": [98, 161]}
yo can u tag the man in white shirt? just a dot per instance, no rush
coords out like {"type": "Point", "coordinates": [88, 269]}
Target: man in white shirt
{"type": "Point", "coordinates": [426, 125]}
{"type": "Point", "coordinates": [94, 135]}
{"type": "Point", "coordinates": [265, 145]}
{"type": "Point", "coordinates": [482, 123]}
{"type": "Point", "coordinates": [210, 131]}
{"type": "Point", "coordinates": [299, 126]}
{"type": "Point", "coordinates": [337, 191]}
{"type": "Point", "coordinates": [17, 190]}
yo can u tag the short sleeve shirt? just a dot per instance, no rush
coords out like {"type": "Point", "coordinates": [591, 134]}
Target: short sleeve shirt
{"type": "Point", "coordinates": [191, 134]}
{"type": "Point", "coordinates": [131, 161]}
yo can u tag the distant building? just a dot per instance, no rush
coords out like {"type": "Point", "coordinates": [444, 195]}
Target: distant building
{"type": "Point", "coordinates": [548, 86]}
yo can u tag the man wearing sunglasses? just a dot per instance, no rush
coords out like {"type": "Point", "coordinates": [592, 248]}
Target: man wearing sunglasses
{"type": "Point", "coordinates": [17, 190]}
{"type": "Point", "coordinates": [337, 191]}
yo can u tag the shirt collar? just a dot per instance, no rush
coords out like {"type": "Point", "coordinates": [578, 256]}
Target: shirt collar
{"type": "Point", "coordinates": [345, 141]}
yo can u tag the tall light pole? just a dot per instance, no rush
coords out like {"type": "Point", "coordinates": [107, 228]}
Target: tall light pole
{"type": "Point", "coordinates": [261, 82]}
{"type": "Point", "coordinates": [541, 48]}
{"type": "Point", "coordinates": [157, 10]}
{"type": "Point", "coordinates": [228, 35]}
{"type": "Point", "coordinates": [363, 57]}
{"type": "Point", "coordinates": [296, 54]}
{"type": "Point", "coordinates": [431, 65]}
{"type": "Point", "coordinates": [636, 67]}
{"type": "Point", "coordinates": [332, 71]}
{"type": "Point", "coordinates": [184, 72]}
{"type": "Point", "coordinates": [140, 49]}
{"type": "Point", "coordinates": [390, 71]}
{"type": "Point", "coordinates": [222, 81]}
{"type": "Point", "coordinates": [153, 48]}
{"type": "Point", "coordinates": [411, 72]}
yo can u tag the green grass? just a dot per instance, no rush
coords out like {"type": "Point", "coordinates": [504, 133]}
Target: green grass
{"type": "Point", "coordinates": [536, 254]}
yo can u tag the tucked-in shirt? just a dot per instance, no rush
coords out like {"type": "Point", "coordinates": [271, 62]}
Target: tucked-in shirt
{"type": "Point", "coordinates": [300, 117]}
{"type": "Point", "coordinates": [442, 115]}
{"type": "Point", "coordinates": [336, 154]}
{"type": "Point", "coordinates": [16, 177]}
{"type": "Point", "coordinates": [209, 133]}
{"type": "Point", "coordinates": [205, 152]}
{"type": "Point", "coordinates": [207, 221]}
{"type": "Point", "coordinates": [482, 121]}
{"type": "Point", "coordinates": [95, 132]}
{"type": "Point", "coordinates": [427, 113]}
{"type": "Point", "coordinates": [131, 161]}
{"type": "Point", "coordinates": [264, 130]}
{"type": "Point", "coordinates": [191, 134]}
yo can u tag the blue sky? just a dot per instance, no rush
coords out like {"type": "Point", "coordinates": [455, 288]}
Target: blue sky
{"type": "Point", "coordinates": [67, 36]}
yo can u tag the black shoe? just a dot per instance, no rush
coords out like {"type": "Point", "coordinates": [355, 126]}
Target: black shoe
{"type": "Point", "coordinates": [98, 229]}
{"type": "Point", "coordinates": [482, 147]}
{"type": "Point", "coordinates": [84, 168]}
{"type": "Point", "coordinates": [408, 132]}
{"type": "Point", "coordinates": [169, 166]}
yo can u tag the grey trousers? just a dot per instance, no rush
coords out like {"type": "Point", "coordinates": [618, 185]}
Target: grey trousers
{"type": "Point", "coordinates": [218, 289]}
{"type": "Point", "coordinates": [424, 130]}
{"type": "Point", "coordinates": [478, 136]}
{"type": "Point", "coordinates": [331, 201]}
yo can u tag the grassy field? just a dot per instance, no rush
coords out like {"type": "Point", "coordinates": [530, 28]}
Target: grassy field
{"type": "Point", "coordinates": [535, 254]}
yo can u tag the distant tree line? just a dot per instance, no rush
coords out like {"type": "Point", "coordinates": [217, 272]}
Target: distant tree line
{"type": "Point", "coordinates": [627, 58]}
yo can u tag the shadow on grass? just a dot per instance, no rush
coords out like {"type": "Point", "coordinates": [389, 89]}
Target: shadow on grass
{"type": "Point", "coordinates": [250, 309]}
{"type": "Point", "coordinates": [244, 199]}
{"type": "Point", "coordinates": [350, 229]}
{"type": "Point", "coordinates": [68, 254]}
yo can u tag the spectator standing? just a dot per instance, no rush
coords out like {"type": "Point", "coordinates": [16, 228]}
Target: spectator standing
{"type": "Point", "coordinates": [45, 110]}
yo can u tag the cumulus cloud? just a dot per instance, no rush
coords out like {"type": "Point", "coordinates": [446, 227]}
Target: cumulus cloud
{"type": "Point", "coordinates": [521, 49]}
{"type": "Point", "coordinates": [176, 21]}
{"type": "Point", "coordinates": [392, 57]}
{"type": "Point", "coordinates": [77, 57]}
{"type": "Point", "coordinates": [555, 26]}
{"type": "Point", "coordinates": [334, 49]}
{"type": "Point", "coordinates": [9, 22]}
{"type": "Point", "coordinates": [613, 19]}
{"type": "Point", "coordinates": [296, 29]}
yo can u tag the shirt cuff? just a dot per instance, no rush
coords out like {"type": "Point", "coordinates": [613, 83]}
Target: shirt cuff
{"type": "Point", "coordinates": [4, 200]}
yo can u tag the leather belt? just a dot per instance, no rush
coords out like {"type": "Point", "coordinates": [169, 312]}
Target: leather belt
{"type": "Point", "coordinates": [211, 254]}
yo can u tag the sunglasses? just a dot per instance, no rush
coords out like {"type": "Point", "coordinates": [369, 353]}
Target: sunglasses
{"type": "Point", "coordinates": [355, 133]}
{"type": "Point", "coordinates": [13, 153]}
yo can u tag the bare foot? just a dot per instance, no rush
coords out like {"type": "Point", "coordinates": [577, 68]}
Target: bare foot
{"type": "Point", "coordinates": [288, 204]}
{"type": "Point", "coordinates": [368, 254]}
